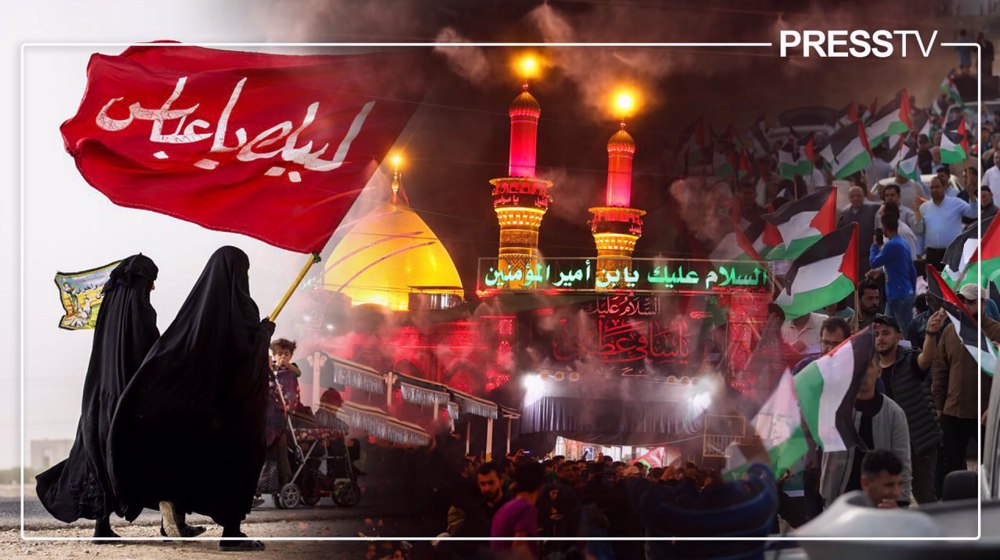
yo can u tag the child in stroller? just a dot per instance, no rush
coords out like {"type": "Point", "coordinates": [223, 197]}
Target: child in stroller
{"type": "Point", "coordinates": [296, 441]}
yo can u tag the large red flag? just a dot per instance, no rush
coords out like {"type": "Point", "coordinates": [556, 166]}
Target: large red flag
{"type": "Point", "coordinates": [276, 147]}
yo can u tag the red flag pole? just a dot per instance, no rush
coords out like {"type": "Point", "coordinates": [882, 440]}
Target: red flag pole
{"type": "Point", "coordinates": [313, 259]}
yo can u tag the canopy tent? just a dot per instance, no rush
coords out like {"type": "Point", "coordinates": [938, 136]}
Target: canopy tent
{"type": "Point", "coordinates": [340, 371]}
{"type": "Point", "coordinates": [372, 420]}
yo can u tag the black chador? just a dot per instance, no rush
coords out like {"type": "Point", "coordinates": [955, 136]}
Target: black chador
{"type": "Point", "coordinates": [189, 430]}
{"type": "Point", "coordinates": [80, 487]}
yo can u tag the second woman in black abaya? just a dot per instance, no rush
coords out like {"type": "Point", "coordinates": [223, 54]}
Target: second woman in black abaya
{"type": "Point", "coordinates": [124, 332]}
{"type": "Point", "coordinates": [189, 430]}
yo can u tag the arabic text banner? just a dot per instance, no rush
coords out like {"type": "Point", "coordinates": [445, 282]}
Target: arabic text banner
{"type": "Point", "coordinates": [639, 275]}
{"type": "Point", "coordinates": [276, 147]}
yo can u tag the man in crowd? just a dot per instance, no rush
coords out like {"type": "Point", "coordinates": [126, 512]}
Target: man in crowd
{"type": "Point", "coordinates": [803, 332]}
{"type": "Point", "coordinates": [907, 191]}
{"type": "Point", "coordinates": [870, 299]}
{"type": "Point", "coordinates": [987, 207]}
{"type": "Point", "coordinates": [942, 216]}
{"type": "Point", "coordinates": [861, 212]}
{"type": "Point", "coordinates": [472, 516]}
{"type": "Point", "coordinates": [834, 331]}
{"type": "Point", "coordinates": [559, 506]}
{"type": "Point", "coordinates": [955, 386]}
{"type": "Point", "coordinates": [881, 424]}
{"type": "Point", "coordinates": [904, 373]}
{"type": "Point", "coordinates": [901, 276]}
{"type": "Point", "coordinates": [925, 161]}
{"type": "Point", "coordinates": [910, 224]}
{"type": "Point", "coordinates": [918, 325]}
{"type": "Point", "coordinates": [991, 178]}
{"type": "Point", "coordinates": [882, 478]}
{"type": "Point", "coordinates": [518, 518]}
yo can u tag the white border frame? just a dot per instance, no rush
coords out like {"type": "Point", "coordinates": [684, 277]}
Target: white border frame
{"type": "Point", "coordinates": [21, 314]}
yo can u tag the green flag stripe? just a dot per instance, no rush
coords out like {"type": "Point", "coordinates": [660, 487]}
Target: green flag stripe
{"type": "Point", "coordinates": [797, 247]}
{"type": "Point", "coordinates": [806, 302]}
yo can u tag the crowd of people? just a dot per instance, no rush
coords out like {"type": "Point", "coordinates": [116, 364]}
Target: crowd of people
{"type": "Point", "coordinates": [198, 395]}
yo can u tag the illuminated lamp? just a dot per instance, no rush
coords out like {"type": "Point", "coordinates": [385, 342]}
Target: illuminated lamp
{"type": "Point", "coordinates": [616, 226]}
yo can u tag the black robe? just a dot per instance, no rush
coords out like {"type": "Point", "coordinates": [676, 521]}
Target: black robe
{"type": "Point", "coordinates": [125, 331]}
{"type": "Point", "coordinates": [190, 427]}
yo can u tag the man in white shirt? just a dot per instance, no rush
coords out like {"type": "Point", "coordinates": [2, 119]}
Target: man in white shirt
{"type": "Point", "coordinates": [909, 191]}
{"type": "Point", "coordinates": [991, 177]}
{"type": "Point", "coordinates": [802, 333]}
{"type": "Point", "coordinates": [910, 224]}
{"type": "Point", "coordinates": [942, 217]}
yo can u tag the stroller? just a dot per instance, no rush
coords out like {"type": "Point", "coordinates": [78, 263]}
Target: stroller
{"type": "Point", "coordinates": [309, 448]}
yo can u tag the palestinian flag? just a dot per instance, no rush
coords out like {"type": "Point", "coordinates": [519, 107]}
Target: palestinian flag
{"type": "Point", "coordinates": [745, 168]}
{"type": "Point", "coordinates": [803, 222]}
{"type": "Point", "coordinates": [905, 160]}
{"type": "Point", "coordinates": [949, 88]}
{"type": "Point", "coordinates": [737, 245]}
{"type": "Point", "coordinates": [820, 400]}
{"type": "Point", "coordinates": [724, 159]}
{"type": "Point", "coordinates": [954, 143]}
{"type": "Point", "coordinates": [779, 425]}
{"type": "Point", "coordinates": [965, 263]}
{"type": "Point", "coordinates": [693, 147]}
{"type": "Point", "coordinates": [927, 128]}
{"type": "Point", "coordinates": [869, 111]}
{"type": "Point", "coordinates": [847, 115]}
{"type": "Point", "coordinates": [961, 318]}
{"type": "Point", "coordinates": [827, 388]}
{"type": "Point", "coordinates": [825, 273]}
{"type": "Point", "coordinates": [890, 120]}
{"type": "Point", "coordinates": [847, 151]}
{"type": "Point", "coordinates": [758, 133]}
{"type": "Point", "coordinates": [787, 161]}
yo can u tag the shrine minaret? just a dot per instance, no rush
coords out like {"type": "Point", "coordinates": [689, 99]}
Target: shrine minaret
{"type": "Point", "coordinates": [616, 226]}
{"type": "Point", "coordinates": [520, 200]}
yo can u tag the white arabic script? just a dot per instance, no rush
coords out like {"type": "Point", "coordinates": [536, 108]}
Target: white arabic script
{"type": "Point", "coordinates": [264, 145]}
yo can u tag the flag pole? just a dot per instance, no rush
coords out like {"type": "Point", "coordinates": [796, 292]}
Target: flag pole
{"type": "Point", "coordinates": [313, 259]}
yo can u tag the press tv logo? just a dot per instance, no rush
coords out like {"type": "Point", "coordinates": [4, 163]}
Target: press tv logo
{"type": "Point", "coordinates": [858, 43]}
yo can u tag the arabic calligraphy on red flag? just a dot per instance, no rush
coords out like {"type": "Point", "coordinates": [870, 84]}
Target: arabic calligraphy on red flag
{"type": "Point", "coordinates": [276, 147]}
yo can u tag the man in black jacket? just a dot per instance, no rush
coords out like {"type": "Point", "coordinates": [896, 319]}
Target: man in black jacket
{"type": "Point", "coordinates": [904, 377]}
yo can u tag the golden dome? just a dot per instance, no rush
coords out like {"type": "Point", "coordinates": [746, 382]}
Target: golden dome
{"type": "Point", "coordinates": [387, 255]}
{"type": "Point", "coordinates": [621, 141]}
{"type": "Point", "coordinates": [525, 104]}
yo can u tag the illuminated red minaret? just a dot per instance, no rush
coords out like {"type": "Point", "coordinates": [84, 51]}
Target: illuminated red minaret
{"type": "Point", "coordinates": [616, 226]}
{"type": "Point", "coordinates": [520, 200]}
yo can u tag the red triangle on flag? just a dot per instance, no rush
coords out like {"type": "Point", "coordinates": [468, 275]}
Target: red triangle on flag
{"type": "Point", "coordinates": [849, 266]}
{"type": "Point", "coordinates": [905, 109]}
{"type": "Point", "coordinates": [989, 246]}
{"type": "Point", "coordinates": [825, 221]}
{"type": "Point", "coordinates": [936, 286]}
{"type": "Point", "coordinates": [772, 235]}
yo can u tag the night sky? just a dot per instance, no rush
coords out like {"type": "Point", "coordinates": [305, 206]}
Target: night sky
{"type": "Point", "coordinates": [461, 134]}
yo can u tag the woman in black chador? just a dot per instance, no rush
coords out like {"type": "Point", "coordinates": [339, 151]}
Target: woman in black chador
{"type": "Point", "coordinates": [126, 329]}
{"type": "Point", "coordinates": [188, 435]}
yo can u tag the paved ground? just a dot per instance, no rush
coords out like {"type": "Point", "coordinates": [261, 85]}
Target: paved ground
{"type": "Point", "coordinates": [323, 521]}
